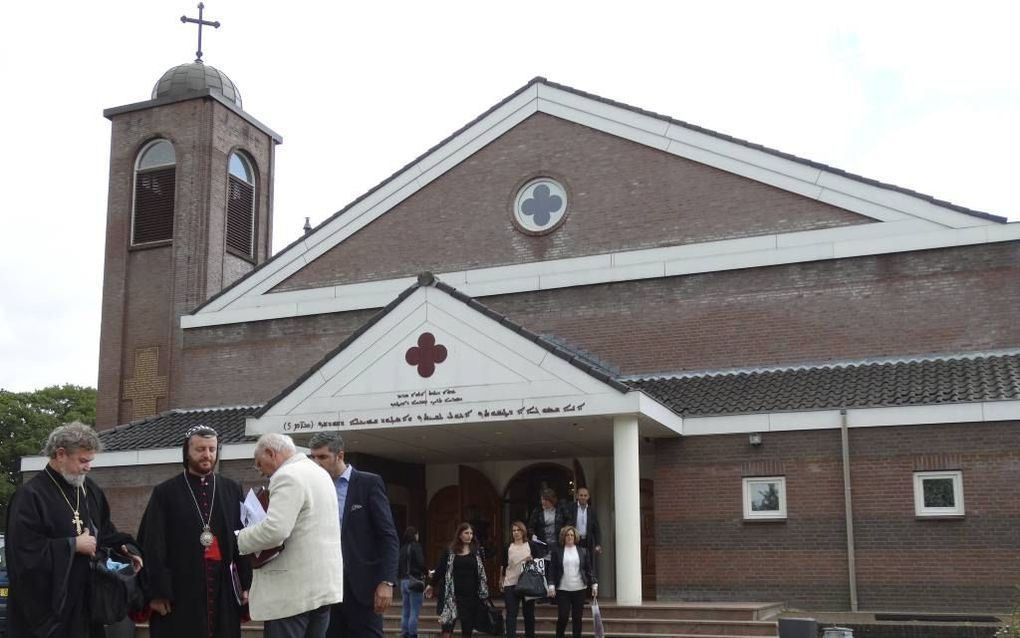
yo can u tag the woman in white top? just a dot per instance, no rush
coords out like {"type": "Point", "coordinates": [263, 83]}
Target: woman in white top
{"type": "Point", "coordinates": [518, 552]}
{"type": "Point", "coordinates": [570, 575]}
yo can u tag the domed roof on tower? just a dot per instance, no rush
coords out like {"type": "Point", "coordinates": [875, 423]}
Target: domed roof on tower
{"type": "Point", "coordinates": [195, 78]}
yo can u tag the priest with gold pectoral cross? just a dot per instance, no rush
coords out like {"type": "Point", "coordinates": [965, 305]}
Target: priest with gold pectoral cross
{"type": "Point", "coordinates": [196, 581]}
{"type": "Point", "coordinates": [55, 523]}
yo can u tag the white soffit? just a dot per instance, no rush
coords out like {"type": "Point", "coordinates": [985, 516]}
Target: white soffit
{"type": "Point", "coordinates": [485, 373]}
{"type": "Point", "coordinates": [903, 214]}
{"type": "Point", "coordinates": [156, 456]}
{"type": "Point", "coordinates": [979, 412]}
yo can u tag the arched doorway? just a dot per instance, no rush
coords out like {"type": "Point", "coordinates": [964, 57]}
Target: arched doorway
{"type": "Point", "coordinates": [522, 492]}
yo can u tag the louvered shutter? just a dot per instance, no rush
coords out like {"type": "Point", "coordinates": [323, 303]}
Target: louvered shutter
{"type": "Point", "coordinates": [154, 205]}
{"type": "Point", "coordinates": [240, 216]}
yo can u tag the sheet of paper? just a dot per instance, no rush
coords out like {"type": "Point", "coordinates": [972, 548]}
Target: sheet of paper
{"type": "Point", "coordinates": [252, 512]}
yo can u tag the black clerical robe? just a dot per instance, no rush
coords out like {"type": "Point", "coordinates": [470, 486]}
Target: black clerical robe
{"type": "Point", "coordinates": [177, 566]}
{"type": "Point", "coordinates": [49, 581]}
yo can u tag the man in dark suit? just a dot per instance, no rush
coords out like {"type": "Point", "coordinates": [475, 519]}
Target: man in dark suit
{"type": "Point", "coordinates": [368, 540]}
{"type": "Point", "coordinates": [583, 517]}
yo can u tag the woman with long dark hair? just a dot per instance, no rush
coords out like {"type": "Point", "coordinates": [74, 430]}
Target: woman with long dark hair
{"type": "Point", "coordinates": [460, 578]}
{"type": "Point", "coordinates": [412, 564]}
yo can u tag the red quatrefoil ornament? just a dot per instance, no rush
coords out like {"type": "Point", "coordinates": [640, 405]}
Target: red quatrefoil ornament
{"type": "Point", "coordinates": [426, 354]}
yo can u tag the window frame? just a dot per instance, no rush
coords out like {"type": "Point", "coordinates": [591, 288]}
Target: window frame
{"type": "Point", "coordinates": [749, 513]}
{"type": "Point", "coordinates": [134, 192]}
{"type": "Point", "coordinates": [921, 511]}
{"type": "Point", "coordinates": [249, 164]}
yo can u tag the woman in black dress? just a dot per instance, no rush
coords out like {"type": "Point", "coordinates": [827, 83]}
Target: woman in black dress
{"type": "Point", "coordinates": [460, 580]}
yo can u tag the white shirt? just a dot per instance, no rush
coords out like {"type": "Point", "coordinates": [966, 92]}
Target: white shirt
{"type": "Point", "coordinates": [582, 520]}
{"type": "Point", "coordinates": [571, 579]}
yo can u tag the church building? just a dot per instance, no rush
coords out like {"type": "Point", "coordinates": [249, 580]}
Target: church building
{"type": "Point", "coordinates": [780, 381]}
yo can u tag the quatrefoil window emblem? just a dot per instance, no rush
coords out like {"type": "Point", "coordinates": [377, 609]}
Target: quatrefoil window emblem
{"type": "Point", "coordinates": [426, 354]}
{"type": "Point", "coordinates": [540, 206]}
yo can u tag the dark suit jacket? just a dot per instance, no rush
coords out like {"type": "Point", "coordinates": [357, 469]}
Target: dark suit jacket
{"type": "Point", "coordinates": [593, 533]}
{"type": "Point", "coordinates": [368, 539]}
{"type": "Point", "coordinates": [554, 567]}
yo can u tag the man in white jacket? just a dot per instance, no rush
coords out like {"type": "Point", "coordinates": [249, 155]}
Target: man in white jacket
{"type": "Point", "coordinates": [293, 592]}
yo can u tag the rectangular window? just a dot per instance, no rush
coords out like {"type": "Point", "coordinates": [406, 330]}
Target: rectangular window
{"type": "Point", "coordinates": [765, 498]}
{"type": "Point", "coordinates": [938, 493]}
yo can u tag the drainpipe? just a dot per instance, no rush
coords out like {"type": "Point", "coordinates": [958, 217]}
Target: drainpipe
{"type": "Point", "coordinates": [848, 505]}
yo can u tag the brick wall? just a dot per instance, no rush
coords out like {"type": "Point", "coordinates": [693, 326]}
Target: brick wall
{"type": "Point", "coordinates": [706, 551]}
{"type": "Point", "coordinates": [146, 289]}
{"type": "Point", "coordinates": [621, 196]}
{"type": "Point", "coordinates": [128, 488]}
{"type": "Point", "coordinates": [948, 300]}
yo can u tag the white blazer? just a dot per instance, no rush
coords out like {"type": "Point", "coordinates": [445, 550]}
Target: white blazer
{"type": "Point", "coordinates": [303, 516]}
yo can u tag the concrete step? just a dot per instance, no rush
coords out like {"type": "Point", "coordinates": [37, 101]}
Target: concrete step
{"type": "Point", "coordinates": [640, 626]}
{"type": "Point", "coordinates": [656, 620]}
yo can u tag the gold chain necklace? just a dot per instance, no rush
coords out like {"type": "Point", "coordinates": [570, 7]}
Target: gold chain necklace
{"type": "Point", "coordinates": [76, 521]}
{"type": "Point", "coordinates": [206, 538]}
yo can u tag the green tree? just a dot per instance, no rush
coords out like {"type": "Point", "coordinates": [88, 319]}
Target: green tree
{"type": "Point", "coordinates": [26, 419]}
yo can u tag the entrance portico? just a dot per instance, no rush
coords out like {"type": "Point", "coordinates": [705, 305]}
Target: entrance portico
{"type": "Point", "coordinates": [437, 378]}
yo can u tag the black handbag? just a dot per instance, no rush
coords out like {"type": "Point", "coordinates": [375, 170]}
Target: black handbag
{"type": "Point", "coordinates": [114, 590]}
{"type": "Point", "coordinates": [415, 585]}
{"type": "Point", "coordinates": [488, 619]}
{"type": "Point", "coordinates": [532, 581]}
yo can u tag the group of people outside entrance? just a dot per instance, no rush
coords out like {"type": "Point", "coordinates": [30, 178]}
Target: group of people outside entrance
{"type": "Point", "coordinates": [333, 578]}
{"type": "Point", "coordinates": [566, 538]}
{"type": "Point", "coordinates": [202, 572]}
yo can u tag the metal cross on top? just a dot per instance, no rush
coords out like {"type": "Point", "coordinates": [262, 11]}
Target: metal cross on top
{"type": "Point", "coordinates": [200, 22]}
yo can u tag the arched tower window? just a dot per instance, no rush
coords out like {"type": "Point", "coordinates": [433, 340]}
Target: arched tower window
{"type": "Point", "coordinates": [155, 180]}
{"type": "Point", "coordinates": [241, 206]}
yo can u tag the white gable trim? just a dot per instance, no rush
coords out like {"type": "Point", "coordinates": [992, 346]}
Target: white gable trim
{"type": "Point", "coordinates": [731, 254]}
{"type": "Point", "coordinates": [876, 202]}
{"type": "Point", "coordinates": [985, 412]}
{"type": "Point", "coordinates": [493, 375]}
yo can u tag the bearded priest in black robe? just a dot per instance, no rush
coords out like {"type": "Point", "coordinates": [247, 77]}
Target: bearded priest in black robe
{"type": "Point", "coordinates": [55, 522]}
{"type": "Point", "coordinates": [196, 581]}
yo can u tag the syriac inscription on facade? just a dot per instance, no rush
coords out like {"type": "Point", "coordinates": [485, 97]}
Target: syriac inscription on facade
{"type": "Point", "coordinates": [421, 407]}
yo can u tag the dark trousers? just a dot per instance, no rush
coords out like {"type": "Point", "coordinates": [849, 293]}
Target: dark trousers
{"type": "Point", "coordinates": [467, 608]}
{"type": "Point", "coordinates": [513, 601]}
{"type": "Point", "coordinates": [570, 604]}
{"type": "Point", "coordinates": [351, 619]}
{"type": "Point", "coordinates": [311, 624]}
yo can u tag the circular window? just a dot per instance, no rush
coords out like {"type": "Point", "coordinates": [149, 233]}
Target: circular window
{"type": "Point", "coordinates": [540, 205]}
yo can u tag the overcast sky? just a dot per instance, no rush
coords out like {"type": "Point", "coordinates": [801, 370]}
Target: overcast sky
{"type": "Point", "coordinates": [921, 95]}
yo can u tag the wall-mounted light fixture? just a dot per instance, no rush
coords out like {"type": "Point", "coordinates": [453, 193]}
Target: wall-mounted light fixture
{"type": "Point", "coordinates": [754, 438]}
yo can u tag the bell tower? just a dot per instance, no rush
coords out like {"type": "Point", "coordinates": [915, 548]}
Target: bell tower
{"type": "Point", "coordinates": [189, 213]}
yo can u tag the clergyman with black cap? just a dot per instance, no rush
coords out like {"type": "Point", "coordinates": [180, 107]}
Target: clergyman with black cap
{"type": "Point", "coordinates": [196, 581]}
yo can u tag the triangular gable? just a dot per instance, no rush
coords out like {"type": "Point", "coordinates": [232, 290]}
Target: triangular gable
{"type": "Point", "coordinates": [922, 220]}
{"type": "Point", "coordinates": [435, 357]}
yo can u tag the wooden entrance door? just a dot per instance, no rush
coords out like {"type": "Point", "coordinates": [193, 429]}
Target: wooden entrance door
{"type": "Point", "coordinates": [475, 501]}
{"type": "Point", "coordinates": [480, 506]}
{"type": "Point", "coordinates": [443, 518]}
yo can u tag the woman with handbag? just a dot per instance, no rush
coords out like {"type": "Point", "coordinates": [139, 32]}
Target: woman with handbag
{"type": "Point", "coordinates": [570, 575]}
{"type": "Point", "coordinates": [515, 556]}
{"type": "Point", "coordinates": [460, 579]}
{"type": "Point", "coordinates": [412, 583]}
